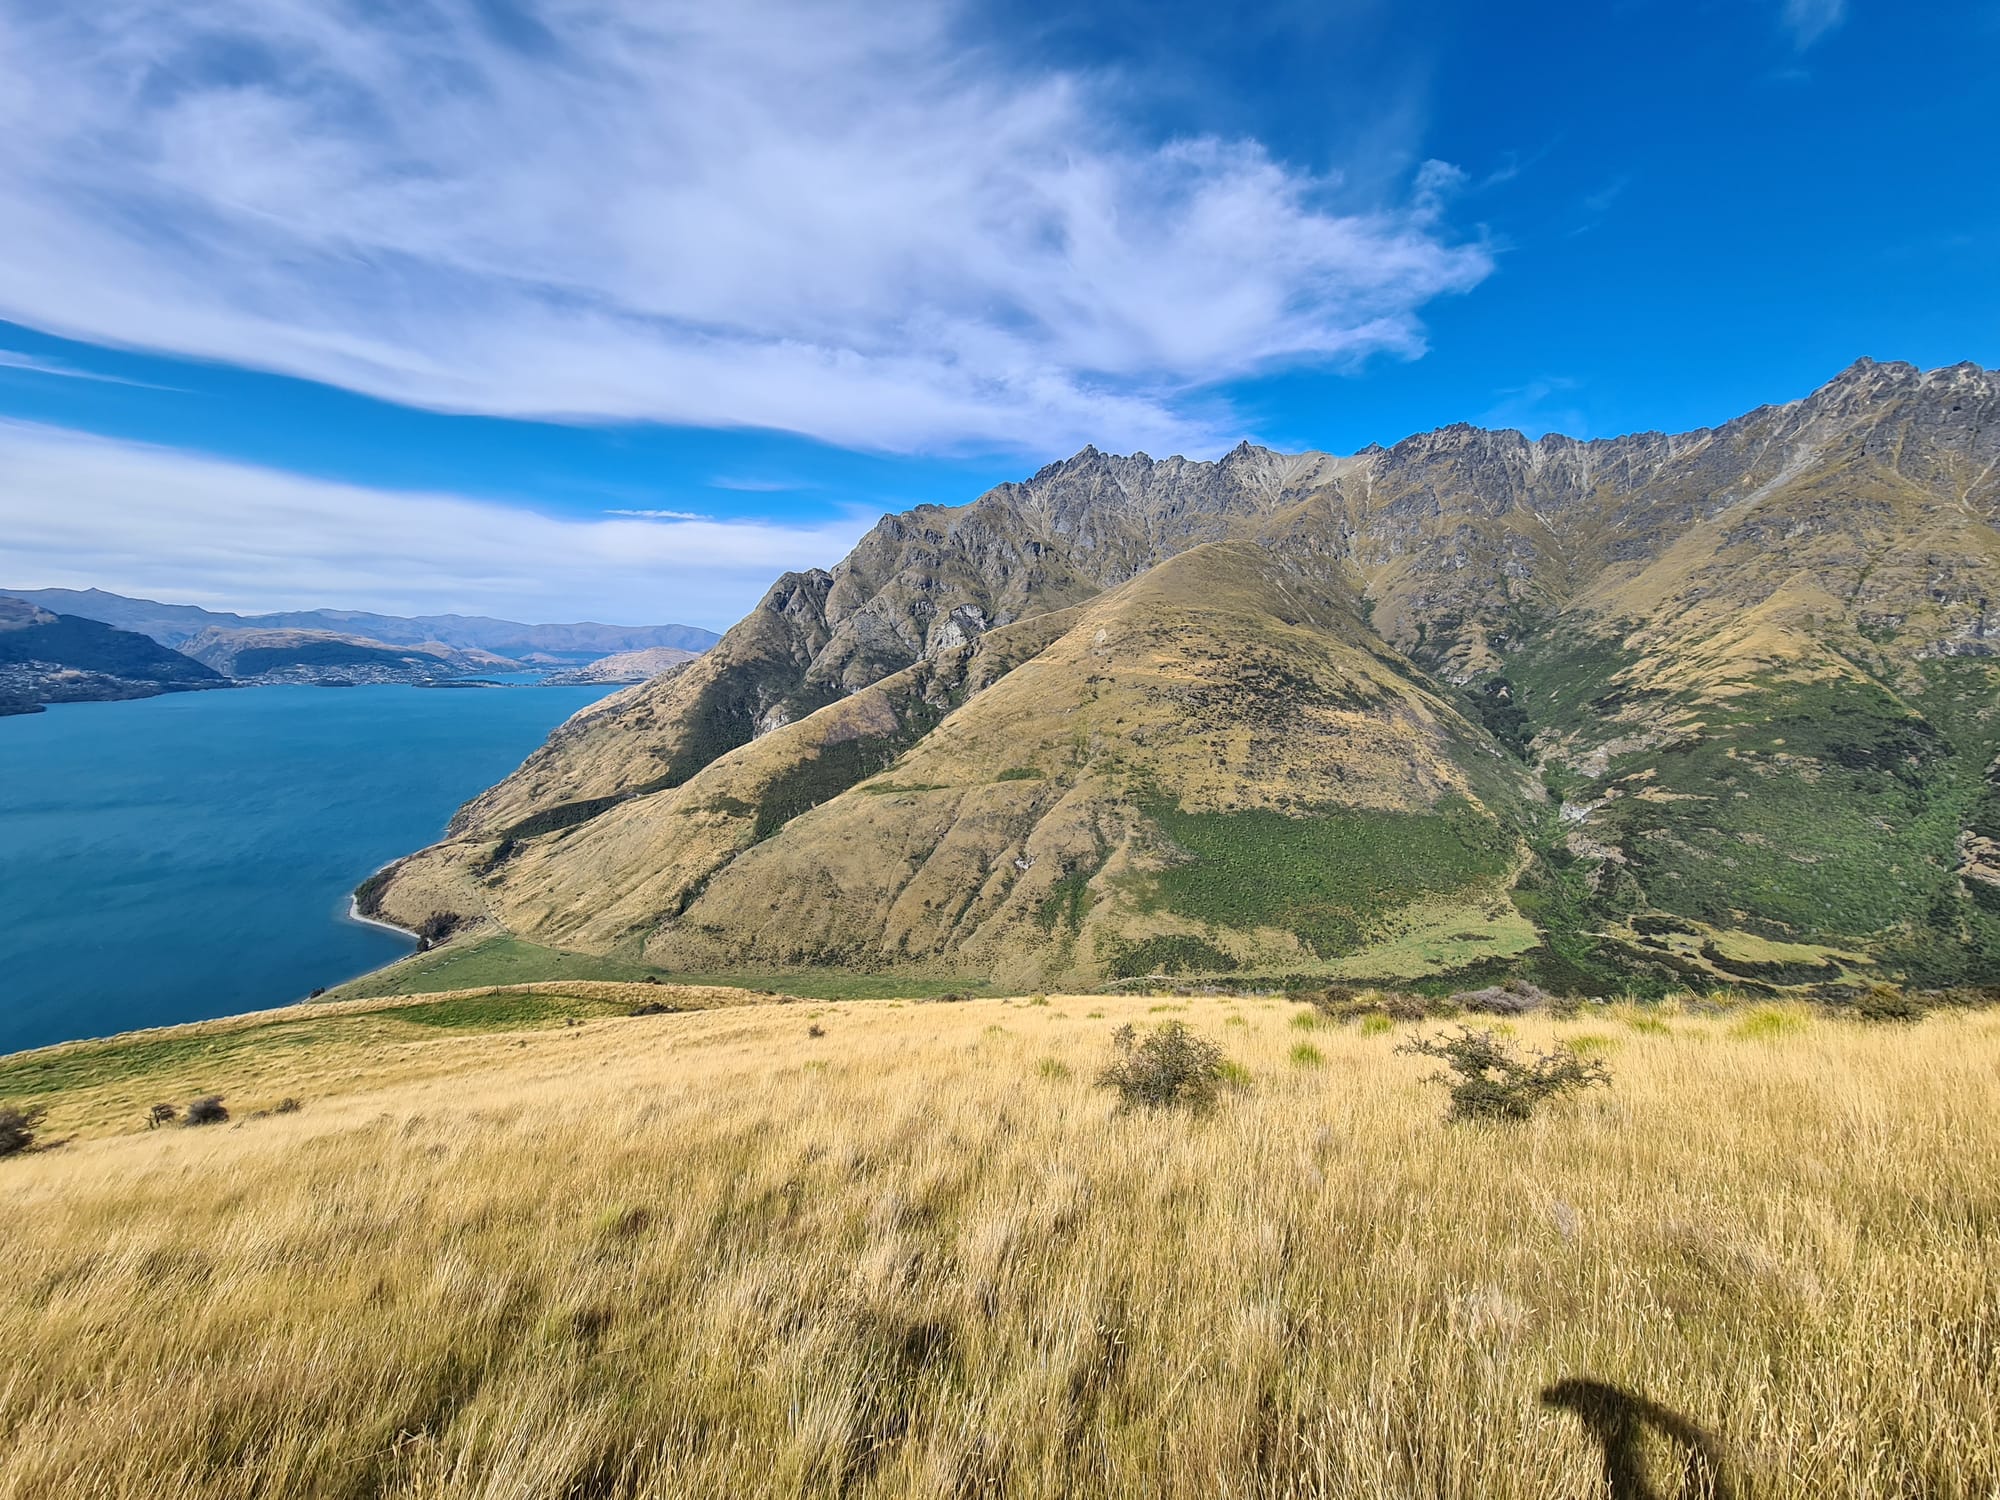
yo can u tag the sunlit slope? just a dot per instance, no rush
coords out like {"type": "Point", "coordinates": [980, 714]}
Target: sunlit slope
{"type": "Point", "coordinates": [1016, 826]}
{"type": "Point", "coordinates": [917, 1254]}
{"type": "Point", "coordinates": [1729, 696]}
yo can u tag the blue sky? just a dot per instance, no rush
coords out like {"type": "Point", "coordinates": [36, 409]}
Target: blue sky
{"type": "Point", "coordinates": [593, 308]}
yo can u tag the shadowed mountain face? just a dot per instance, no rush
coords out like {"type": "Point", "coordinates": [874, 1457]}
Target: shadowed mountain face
{"type": "Point", "coordinates": [51, 658]}
{"type": "Point", "coordinates": [1650, 711]}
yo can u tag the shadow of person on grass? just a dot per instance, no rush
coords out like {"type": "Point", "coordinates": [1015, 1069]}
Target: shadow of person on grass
{"type": "Point", "coordinates": [1618, 1421]}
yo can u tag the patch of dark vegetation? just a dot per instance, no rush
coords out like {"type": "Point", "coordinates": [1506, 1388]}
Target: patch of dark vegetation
{"type": "Point", "coordinates": [207, 1110]}
{"type": "Point", "coordinates": [1657, 926]}
{"type": "Point", "coordinates": [1886, 1003]}
{"type": "Point", "coordinates": [655, 1008]}
{"type": "Point", "coordinates": [1328, 876]}
{"type": "Point", "coordinates": [436, 928]}
{"type": "Point", "coordinates": [820, 778]}
{"type": "Point", "coordinates": [561, 816]}
{"type": "Point", "coordinates": [161, 1114]}
{"type": "Point", "coordinates": [1170, 953]}
{"type": "Point", "coordinates": [368, 894]}
{"type": "Point", "coordinates": [18, 1126]}
{"type": "Point", "coordinates": [1570, 902]}
{"type": "Point", "coordinates": [1020, 773]}
{"type": "Point", "coordinates": [1490, 1080]}
{"type": "Point", "coordinates": [1777, 971]}
{"type": "Point", "coordinates": [1512, 997]}
{"type": "Point", "coordinates": [1167, 1068]}
{"type": "Point", "coordinates": [1066, 905]}
{"type": "Point", "coordinates": [1494, 705]}
{"type": "Point", "coordinates": [1339, 1002]}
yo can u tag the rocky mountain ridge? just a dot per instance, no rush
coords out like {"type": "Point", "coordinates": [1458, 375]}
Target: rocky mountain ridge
{"type": "Point", "coordinates": [1657, 709]}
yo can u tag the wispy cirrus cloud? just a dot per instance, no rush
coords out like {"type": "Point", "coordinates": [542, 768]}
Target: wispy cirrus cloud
{"type": "Point", "coordinates": [1809, 20]}
{"type": "Point", "coordinates": [660, 515]}
{"type": "Point", "coordinates": [826, 216]}
{"type": "Point", "coordinates": [82, 511]}
{"type": "Point", "coordinates": [12, 359]}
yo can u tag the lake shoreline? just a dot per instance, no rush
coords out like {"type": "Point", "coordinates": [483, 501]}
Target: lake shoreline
{"type": "Point", "coordinates": [209, 841]}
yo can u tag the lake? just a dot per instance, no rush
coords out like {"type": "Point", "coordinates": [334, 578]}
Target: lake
{"type": "Point", "coordinates": [177, 858]}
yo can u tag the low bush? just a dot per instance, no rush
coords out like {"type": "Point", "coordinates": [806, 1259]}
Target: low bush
{"type": "Point", "coordinates": [435, 928]}
{"type": "Point", "coordinates": [206, 1110]}
{"type": "Point", "coordinates": [1515, 997]}
{"type": "Point", "coordinates": [1884, 1002]}
{"type": "Point", "coordinates": [161, 1114]}
{"type": "Point", "coordinates": [1490, 1080]}
{"type": "Point", "coordinates": [17, 1127]}
{"type": "Point", "coordinates": [1376, 1025]}
{"type": "Point", "coordinates": [1168, 1067]}
{"type": "Point", "coordinates": [1306, 1055]}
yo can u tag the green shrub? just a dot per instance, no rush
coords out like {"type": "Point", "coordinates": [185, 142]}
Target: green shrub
{"type": "Point", "coordinates": [1885, 1002]}
{"type": "Point", "coordinates": [1306, 1055]}
{"type": "Point", "coordinates": [1376, 1025]}
{"type": "Point", "coordinates": [1766, 1022]}
{"type": "Point", "coordinates": [1489, 1080]}
{"type": "Point", "coordinates": [1170, 1066]}
{"type": "Point", "coordinates": [17, 1127]}
{"type": "Point", "coordinates": [1306, 1020]}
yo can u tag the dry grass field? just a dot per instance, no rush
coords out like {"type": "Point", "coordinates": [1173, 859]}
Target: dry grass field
{"type": "Point", "coordinates": [919, 1254]}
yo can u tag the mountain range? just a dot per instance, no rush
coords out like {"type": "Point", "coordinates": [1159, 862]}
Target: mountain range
{"type": "Point", "coordinates": [1650, 712]}
{"type": "Point", "coordinates": [177, 624]}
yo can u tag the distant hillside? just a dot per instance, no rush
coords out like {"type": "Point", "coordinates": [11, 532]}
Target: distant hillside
{"type": "Point", "coordinates": [625, 667]}
{"type": "Point", "coordinates": [173, 624]}
{"type": "Point", "coordinates": [326, 656]}
{"type": "Point", "coordinates": [1652, 712]}
{"type": "Point", "coordinates": [51, 658]}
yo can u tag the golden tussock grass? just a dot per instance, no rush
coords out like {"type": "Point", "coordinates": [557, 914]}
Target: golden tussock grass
{"type": "Point", "coordinates": [920, 1255]}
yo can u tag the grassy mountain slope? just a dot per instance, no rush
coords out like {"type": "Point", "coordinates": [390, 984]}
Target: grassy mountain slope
{"type": "Point", "coordinates": [1657, 710]}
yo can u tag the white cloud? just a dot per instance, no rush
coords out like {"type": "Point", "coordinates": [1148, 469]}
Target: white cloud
{"type": "Point", "coordinates": [80, 511]}
{"type": "Point", "coordinates": [1809, 20]}
{"type": "Point", "coordinates": [827, 216]}
{"type": "Point", "coordinates": [659, 515]}
{"type": "Point", "coordinates": [11, 359]}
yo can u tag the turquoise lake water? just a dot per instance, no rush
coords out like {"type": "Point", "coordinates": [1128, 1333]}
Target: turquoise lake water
{"type": "Point", "coordinates": [189, 856]}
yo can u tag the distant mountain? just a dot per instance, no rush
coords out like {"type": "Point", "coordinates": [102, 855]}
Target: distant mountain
{"type": "Point", "coordinates": [51, 658]}
{"type": "Point", "coordinates": [1652, 712]}
{"type": "Point", "coordinates": [325, 656]}
{"type": "Point", "coordinates": [173, 624]}
{"type": "Point", "coordinates": [625, 667]}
